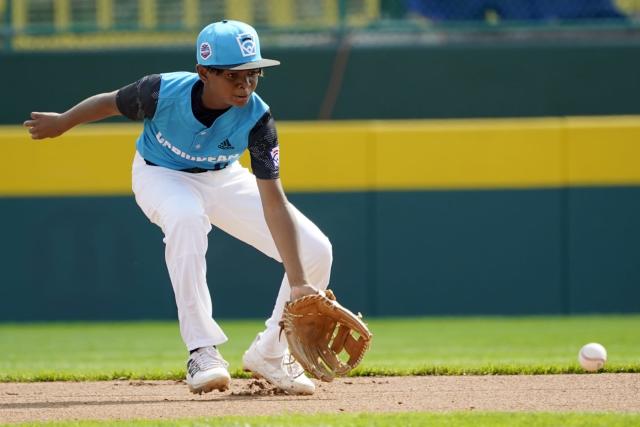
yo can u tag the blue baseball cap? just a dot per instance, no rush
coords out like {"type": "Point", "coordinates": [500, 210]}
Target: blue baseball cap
{"type": "Point", "coordinates": [231, 45]}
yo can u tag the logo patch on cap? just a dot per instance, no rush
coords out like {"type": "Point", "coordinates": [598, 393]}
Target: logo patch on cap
{"type": "Point", "coordinates": [247, 44]}
{"type": "Point", "coordinates": [205, 50]}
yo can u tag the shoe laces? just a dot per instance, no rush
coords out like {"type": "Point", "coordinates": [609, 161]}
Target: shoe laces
{"type": "Point", "coordinates": [291, 366]}
{"type": "Point", "coordinates": [208, 358]}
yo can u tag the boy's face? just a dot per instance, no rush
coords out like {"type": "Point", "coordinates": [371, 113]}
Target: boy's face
{"type": "Point", "coordinates": [229, 87]}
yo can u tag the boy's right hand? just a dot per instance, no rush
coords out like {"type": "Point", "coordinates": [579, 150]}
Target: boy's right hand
{"type": "Point", "coordinates": [45, 125]}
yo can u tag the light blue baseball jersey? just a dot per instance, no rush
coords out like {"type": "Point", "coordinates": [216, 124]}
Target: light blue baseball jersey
{"type": "Point", "coordinates": [175, 139]}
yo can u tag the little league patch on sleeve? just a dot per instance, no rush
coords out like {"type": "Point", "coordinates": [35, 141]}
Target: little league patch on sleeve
{"type": "Point", "coordinates": [275, 156]}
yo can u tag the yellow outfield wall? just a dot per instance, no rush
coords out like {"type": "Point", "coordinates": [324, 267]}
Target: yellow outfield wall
{"type": "Point", "coordinates": [358, 155]}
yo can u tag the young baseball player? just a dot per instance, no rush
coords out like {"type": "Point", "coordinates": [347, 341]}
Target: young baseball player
{"type": "Point", "coordinates": [186, 177]}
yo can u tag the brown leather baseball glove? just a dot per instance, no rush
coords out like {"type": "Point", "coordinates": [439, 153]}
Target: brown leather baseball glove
{"type": "Point", "coordinates": [319, 329]}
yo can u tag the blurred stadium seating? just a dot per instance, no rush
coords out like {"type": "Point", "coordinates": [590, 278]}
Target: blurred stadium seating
{"type": "Point", "coordinates": [518, 10]}
{"type": "Point", "coordinates": [51, 24]}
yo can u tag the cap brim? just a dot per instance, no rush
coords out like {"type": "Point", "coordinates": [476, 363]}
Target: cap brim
{"type": "Point", "coordinates": [263, 63]}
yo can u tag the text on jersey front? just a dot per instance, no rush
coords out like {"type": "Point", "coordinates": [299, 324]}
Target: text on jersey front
{"type": "Point", "coordinates": [211, 159]}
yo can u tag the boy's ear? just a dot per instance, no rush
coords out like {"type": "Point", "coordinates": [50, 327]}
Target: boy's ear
{"type": "Point", "coordinates": [202, 72]}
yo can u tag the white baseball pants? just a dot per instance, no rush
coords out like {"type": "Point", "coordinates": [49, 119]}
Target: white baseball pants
{"type": "Point", "coordinates": [185, 205]}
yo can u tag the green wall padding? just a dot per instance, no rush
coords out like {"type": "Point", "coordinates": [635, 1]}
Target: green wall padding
{"type": "Point", "coordinates": [495, 252]}
{"type": "Point", "coordinates": [604, 247]}
{"type": "Point", "coordinates": [470, 252]}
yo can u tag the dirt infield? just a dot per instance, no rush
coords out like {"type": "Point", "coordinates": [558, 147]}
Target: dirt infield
{"type": "Point", "coordinates": [168, 399]}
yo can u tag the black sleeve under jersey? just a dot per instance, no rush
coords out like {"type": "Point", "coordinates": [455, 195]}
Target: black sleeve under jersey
{"type": "Point", "coordinates": [264, 150]}
{"type": "Point", "coordinates": [139, 100]}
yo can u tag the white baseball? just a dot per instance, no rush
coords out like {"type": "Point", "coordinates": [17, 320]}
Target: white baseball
{"type": "Point", "coordinates": [592, 357]}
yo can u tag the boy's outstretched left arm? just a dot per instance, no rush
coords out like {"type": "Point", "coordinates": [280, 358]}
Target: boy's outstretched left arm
{"type": "Point", "coordinates": [51, 125]}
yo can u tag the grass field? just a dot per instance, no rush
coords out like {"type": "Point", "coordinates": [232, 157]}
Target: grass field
{"type": "Point", "coordinates": [385, 420]}
{"type": "Point", "coordinates": [421, 346]}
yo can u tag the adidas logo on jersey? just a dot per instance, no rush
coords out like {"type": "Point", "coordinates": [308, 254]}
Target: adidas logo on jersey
{"type": "Point", "coordinates": [225, 145]}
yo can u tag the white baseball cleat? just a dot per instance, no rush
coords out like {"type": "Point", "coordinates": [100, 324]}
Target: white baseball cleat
{"type": "Point", "coordinates": [283, 372]}
{"type": "Point", "coordinates": [207, 371]}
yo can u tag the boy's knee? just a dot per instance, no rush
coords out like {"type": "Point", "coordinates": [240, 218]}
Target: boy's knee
{"type": "Point", "coordinates": [323, 252]}
{"type": "Point", "coordinates": [186, 221]}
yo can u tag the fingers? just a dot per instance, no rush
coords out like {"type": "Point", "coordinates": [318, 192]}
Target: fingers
{"type": "Point", "coordinates": [34, 133]}
{"type": "Point", "coordinates": [37, 117]}
{"type": "Point", "coordinates": [31, 127]}
{"type": "Point", "coordinates": [37, 126]}
{"type": "Point", "coordinates": [33, 122]}
{"type": "Point", "coordinates": [34, 116]}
